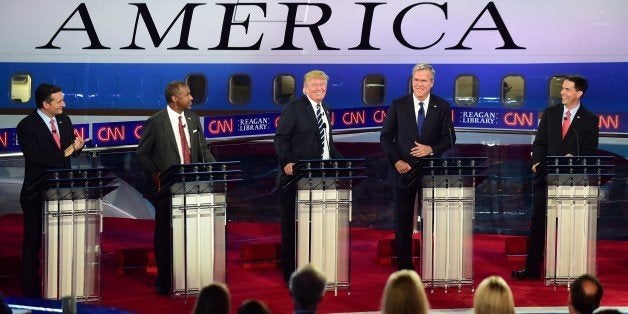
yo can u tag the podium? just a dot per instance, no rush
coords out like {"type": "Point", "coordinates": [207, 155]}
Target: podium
{"type": "Point", "coordinates": [573, 191]}
{"type": "Point", "coordinates": [199, 216]}
{"type": "Point", "coordinates": [324, 204]}
{"type": "Point", "coordinates": [71, 231]}
{"type": "Point", "coordinates": [448, 204]}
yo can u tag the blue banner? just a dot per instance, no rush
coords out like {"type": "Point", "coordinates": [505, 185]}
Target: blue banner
{"type": "Point", "coordinates": [265, 124]}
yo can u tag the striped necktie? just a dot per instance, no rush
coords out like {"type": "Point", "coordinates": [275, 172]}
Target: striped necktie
{"type": "Point", "coordinates": [185, 148]}
{"type": "Point", "coordinates": [321, 124]}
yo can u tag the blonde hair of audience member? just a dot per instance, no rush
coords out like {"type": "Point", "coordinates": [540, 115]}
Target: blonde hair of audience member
{"type": "Point", "coordinates": [404, 293]}
{"type": "Point", "coordinates": [214, 298]}
{"type": "Point", "coordinates": [493, 296]}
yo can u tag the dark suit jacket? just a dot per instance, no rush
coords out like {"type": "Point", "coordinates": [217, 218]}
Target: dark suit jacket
{"type": "Point", "coordinates": [581, 139]}
{"type": "Point", "coordinates": [296, 137]}
{"type": "Point", "coordinates": [158, 149]}
{"type": "Point", "coordinates": [39, 148]}
{"type": "Point", "coordinates": [399, 132]}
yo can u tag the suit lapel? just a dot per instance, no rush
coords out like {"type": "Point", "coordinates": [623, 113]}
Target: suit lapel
{"type": "Point", "coordinates": [410, 115]}
{"type": "Point", "coordinates": [431, 115]}
{"type": "Point", "coordinates": [43, 128]}
{"type": "Point", "coordinates": [167, 126]}
{"type": "Point", "coordinates": [309, 110]}
{"type": "Point", "coordinates": [193, 136]}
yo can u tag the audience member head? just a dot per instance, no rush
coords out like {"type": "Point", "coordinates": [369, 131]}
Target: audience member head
{"type": "Point", "coordinates": [307, 286]}
{"type": "Point", "coordinates": [493, 296]}
{"type": "Point", "coordinates": [213, 299]}
{"type": "Point", "coordinates": [404, 293]}
{"type": "Point", "coordinates": [585, 294]}
{"type": "Point", "coordinates": [608, 311]}
{"type": "Point", "coordinates": [253, 306]}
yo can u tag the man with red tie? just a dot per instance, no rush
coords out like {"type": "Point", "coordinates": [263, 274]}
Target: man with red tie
{"type": "Point", "coordinates": [564, 130]}
{"type": "Point", "coordinates": [171, 136]}
{"type": "Point", "coordinates": [47, 140]}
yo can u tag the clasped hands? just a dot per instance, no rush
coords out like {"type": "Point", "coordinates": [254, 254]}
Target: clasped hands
{"type": "Point", "coordinates": [77, 145]}
{"type": "Point", "coordinates": [419, 151]}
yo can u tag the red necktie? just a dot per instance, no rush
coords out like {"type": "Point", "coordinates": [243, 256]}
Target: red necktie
{"type": "Point", "coordinates": [566, 123]}
{"type": "Point", "coordinates": [55, 134]}
{"type": "Point", "coordinates": [187, 157]}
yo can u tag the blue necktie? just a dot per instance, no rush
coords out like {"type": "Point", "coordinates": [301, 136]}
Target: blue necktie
{"type": "Point", "coordinates": [420, 118]}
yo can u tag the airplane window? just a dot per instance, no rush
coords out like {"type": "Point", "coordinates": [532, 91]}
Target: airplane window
{"type": "Point", "coordinates": [283, 89]}
{"type": "Point", "coordinates": [21, 85]}
{"type": "Point", "coordinates": [513, 91]}
{"type": "Point", "coordinates": [239, 89]}
{"type": "Point", "coordinates": [466, 90]}
{"type": "Point", "coordinates": [555, 85]}
{"type": "Point", "coordinates": [198, 88]}
{"type": "Point", "coordinates": [373, 89]}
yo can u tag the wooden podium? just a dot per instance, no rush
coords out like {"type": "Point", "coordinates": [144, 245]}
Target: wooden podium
{"type": "Point", "coordinates": [448, 205]}
{"type": "Point", "coordinates": [324, 204]}
{"type": "Point", "coordinates": [573, 193]}
{"type": "Point", "coordinates": [199, 216]}
{"type": "Point", "coordinates": [71, 232]}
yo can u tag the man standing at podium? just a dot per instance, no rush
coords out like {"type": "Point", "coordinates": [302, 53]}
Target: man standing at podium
{"type": "Point", "coordinates": [304, 132]}
{"type": "Point", "coordinates": [47, 141]}
{"type": "Point", "coordinates": [565, 130]}
{"type": "Point", "coordinates": [171, 136]}
{"type": "Point", "coordinates": [417, 125]}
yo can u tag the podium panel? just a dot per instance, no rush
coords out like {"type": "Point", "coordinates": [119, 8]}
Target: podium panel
{"type": "Point", "coordinates": [323, 237]}
{"type": "Point", "coordinates": [573, 189]}
{"type": "Point", "coordinates": [72, 249]}
{"type": "Point", "coordinates": [198, 241]}
{"type": "Point", "coordinates": [571, 240]}
{"type": "Point", "coordinates": [447, 251]}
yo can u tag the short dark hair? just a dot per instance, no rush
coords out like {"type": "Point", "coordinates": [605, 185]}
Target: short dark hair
{"type": "Point", "coordinates": [214, 298]}
{"type": "Point", "coordinates": [172, 89]}
{"type": "Point", "coordinates": [581, 301]}
{"type": "Point", "coordinates": [579, 82]}
{"type": "Point", "coordinates": [43, 92]}
{"type": "Point", "coordinates": [307, 286]}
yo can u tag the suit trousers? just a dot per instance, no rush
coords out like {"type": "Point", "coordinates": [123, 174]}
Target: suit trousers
{"type": "Point", "coordinates": [163, 240]}
{"type": "Point", "coordinates": [404, 215]}
{"type": "Point", "coordinates": [538, 222]}
{"type": "Point", "coordinates": [288, 230]}
{"type": "Point", "coordinates": [31, 246]}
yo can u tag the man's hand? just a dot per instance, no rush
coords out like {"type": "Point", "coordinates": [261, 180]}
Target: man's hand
{"type": "Point", "coordinates": [156, 181]}
{"type": "Point", "coordinates": [402, 167]}
{"type": "Point", "coordinates": [420, 150]}
{"type": "Point", "coordinates": [287, 169]}
{"type": "Point", "coordinates": [75, 146]}
{"type": "Point", "coordinates": [534, 167]}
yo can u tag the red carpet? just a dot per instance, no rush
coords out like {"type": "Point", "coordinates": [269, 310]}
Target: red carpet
{"type": "Point", "coordinates": [134, 291]}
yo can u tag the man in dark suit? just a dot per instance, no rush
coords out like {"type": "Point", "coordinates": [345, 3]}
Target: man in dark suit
{"type": "Point", "coordinates": [171, 136]}
{"type": "Point", "coordinates": [47, 140]}
{"type": "Point", "coordinates": [564, 130]}
{"type": "Point", "coordinates": [417, 125]}
{"type": "Point", "coordinates": [303, 133]}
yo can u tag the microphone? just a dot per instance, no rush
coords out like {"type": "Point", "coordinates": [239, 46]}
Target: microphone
{"type": "Point", "coordinates": [451, 142]}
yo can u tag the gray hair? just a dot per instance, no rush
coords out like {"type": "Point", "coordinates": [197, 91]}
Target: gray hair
{"type": "Point", "coordinates": [424, 66]}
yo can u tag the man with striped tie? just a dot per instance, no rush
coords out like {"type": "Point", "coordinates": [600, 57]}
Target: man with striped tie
{"type": "Point", "coordinates": [47, 141]}
{"type": "Point", "coordinates": [304, 132]}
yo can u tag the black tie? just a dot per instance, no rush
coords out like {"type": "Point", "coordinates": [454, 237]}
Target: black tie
{"type": "Point", "coordinates": [321, 125]}
{"type": "Point", "coordinates": [420, 118]}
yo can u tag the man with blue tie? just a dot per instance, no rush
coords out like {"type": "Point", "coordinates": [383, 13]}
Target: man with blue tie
{"type": "Point", "coordinates": [304, 132]}
{"type": "Point", "coordinates": [47, 141]}
{"type": "Point", "coordinates": [568, 129]}
{"type": "Point", "coordinates": [417, 125]}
